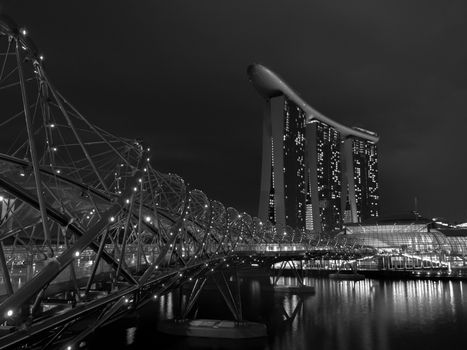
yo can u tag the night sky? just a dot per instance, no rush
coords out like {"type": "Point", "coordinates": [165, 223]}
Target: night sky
{"type": "Point", "coordinates": [173, 73]}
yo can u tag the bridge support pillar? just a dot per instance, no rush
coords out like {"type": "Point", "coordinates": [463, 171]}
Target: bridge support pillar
{"type": "Point", "coordinates": [231, 297]}
{"type": "Point", "coordinates": [297, 270]}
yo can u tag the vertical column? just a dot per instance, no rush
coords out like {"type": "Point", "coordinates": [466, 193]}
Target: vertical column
{"type": "Point", "coordinates": [344, 182]}
{"type": "Point", "coordinates": [263, 210]}
{"type": "Point", "coordinates": [277, 127]}
{"type": "Point", "coordinates": [373, 180]}
{"type": "Point", "coordinates": [312, 178]}
{"type": "Point", "coordinates": [348, 173]}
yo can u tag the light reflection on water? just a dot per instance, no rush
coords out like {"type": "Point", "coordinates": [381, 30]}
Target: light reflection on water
{"type": "Point", "coordinates": [370, 314]}
{"type": "Point", "coordinates": [130, 335]}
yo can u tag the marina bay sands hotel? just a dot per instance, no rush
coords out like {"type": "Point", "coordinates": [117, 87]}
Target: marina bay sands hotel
{"type": "Point", "coordinates": [316, 173]}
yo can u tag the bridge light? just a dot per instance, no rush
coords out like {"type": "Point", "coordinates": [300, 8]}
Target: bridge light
{"type": "Point", "coordinates": [52, 125]}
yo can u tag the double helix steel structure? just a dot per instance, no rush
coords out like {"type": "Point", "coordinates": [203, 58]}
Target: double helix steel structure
{"type": "Point", "coordinates": [88, 228]}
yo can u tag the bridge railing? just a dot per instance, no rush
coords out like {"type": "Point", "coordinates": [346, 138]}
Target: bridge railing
{"type": "Point", "coordinates": [272, 247]}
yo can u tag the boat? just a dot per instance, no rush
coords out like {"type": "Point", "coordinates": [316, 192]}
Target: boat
{"type": "Point", "coordinates": [208, 328]}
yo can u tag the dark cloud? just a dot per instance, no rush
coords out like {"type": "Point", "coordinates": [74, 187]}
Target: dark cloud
{"type": "Point", "coordinates": [173, 73]}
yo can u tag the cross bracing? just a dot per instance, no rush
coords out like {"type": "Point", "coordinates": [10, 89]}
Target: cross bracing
{"type": "Point", "coordinates": [88, 228]}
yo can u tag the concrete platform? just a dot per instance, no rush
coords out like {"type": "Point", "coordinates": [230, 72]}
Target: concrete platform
{"type": "Point", "coordinates": [208, 328]}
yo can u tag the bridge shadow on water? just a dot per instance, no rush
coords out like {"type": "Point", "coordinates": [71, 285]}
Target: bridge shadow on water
{"type": "Point", "coordinates": [370, 314]}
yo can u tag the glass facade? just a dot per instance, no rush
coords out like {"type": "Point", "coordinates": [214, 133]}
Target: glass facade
{"type": "Point", "coordinates": [325, 157]}
{"type": "Point", "coordinates": [294, 165]}
{"type": "Point", "coordinates": [310, 170]}
{"type": "Point", "coordinates": [413, 245]}
{"type": "Point", "coordinates": [293, 160]}
{"type": "Point", "coordinates": [365, 172]}
{"type": "Point", "coordinates": [316, 174]}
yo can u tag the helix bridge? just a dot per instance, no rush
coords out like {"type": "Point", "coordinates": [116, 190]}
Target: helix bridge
{"type": "Point", "coordinates": [89, 229]}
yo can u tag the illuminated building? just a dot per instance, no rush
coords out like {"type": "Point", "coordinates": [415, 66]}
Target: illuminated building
{"type": "Point", "coordinates": [410, 242]}
{"type": "Point", "coordinates": [283, 186]}
{"type": "Point", "coordinates": [316, 173]}
{"type": "Point", "coordinates": [365, 165]}
{"type": "Point", "coordinates": [324, 175]}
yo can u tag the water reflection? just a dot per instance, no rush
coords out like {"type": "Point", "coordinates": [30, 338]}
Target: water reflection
{"type": "Point", "coordinates": [343, 315]}
{"type": "Point", "coordinates": [371, 314]}
{"type": "Point", "coordinates": [130, 335]}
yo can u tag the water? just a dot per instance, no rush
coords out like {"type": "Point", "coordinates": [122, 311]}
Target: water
{"type": "Point", "coordinates": [370, 314]}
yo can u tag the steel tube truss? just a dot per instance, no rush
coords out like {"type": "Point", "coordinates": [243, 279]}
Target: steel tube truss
{"type": "Point", "coordinates": [88, 228]}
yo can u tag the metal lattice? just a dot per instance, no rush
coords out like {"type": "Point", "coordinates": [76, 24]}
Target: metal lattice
{"type": "Point", "coordinates": [87, 226]}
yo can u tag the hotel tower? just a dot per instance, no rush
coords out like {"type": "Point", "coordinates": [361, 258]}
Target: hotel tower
{"type": "Point", "coordinates": [316, 174]}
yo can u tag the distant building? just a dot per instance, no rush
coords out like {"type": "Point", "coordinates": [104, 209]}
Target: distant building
{"type": "Point", "coordinates": [316, 174]}
{"type": "Point", "coordinates": [283, 184]}
{"type": "Point", "coordinates": [411, 242]}
{"type": "Point", "coordinates": [360, 187]}
{"type": "Point", "coordinates": [324, 175]}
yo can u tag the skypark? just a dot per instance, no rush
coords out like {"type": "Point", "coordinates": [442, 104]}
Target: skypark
{"type": "Point", "coordinates": [270, 85]}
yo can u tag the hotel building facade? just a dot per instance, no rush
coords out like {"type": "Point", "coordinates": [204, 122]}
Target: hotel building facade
{"type": "Point", "coordinates": [316, 174]}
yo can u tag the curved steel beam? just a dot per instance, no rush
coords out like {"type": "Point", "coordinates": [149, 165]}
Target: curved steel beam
{"type": "Point", "coordinates": [66, 179]}
{"type": "Point", "coordinates": [85, 240]}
